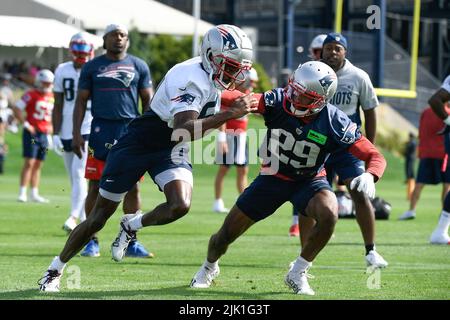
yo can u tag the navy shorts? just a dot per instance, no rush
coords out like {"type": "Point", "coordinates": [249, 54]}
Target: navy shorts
{"type": "Point", "coordinates": [267, 193]}
{"type": "Point", "coordinates": [430, 172]}
{"type": "Point", "coordinates": [146, 147]}
{"type": "Point", "coordinates": [345, 165]}
{"type": "Point", "coordinates": [67, 144]}
{"type": "Point", "coordinates": [34, 146]}
{"type": "Point", "coordinates": [104, 134]}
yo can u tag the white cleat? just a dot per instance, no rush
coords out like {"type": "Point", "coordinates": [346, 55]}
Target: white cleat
{"type": "Point", "coordinates": [204, 277]}
{"type": "Point", "coordinates": [219, 206]}
{"type": "Point", "coordinates": [408, 215]}
{"type": "Point", "coordinates": [120, 244]}
{"type": "Point", "coordinates": [39, 199]}
{"type": "Point", "coordinates": [298, 282]}
{"type": "Point", "coordinates": [69, 225]}
{"type": "Point", "coordinates": [375, 260]}
{"type": "Point", "coordinates": [439, 238]}
{"type": "Point", "coordinates": [50, 281]}
{"type": "Point", "coordinates": [22, 198]}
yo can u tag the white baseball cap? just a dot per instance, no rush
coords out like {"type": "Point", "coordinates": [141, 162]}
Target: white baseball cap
{"type": "Point", "coordinates": [115, 26]}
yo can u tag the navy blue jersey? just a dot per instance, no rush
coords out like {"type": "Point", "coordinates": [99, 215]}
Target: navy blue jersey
{"type": "Point", "coordinates": [114, 86]}
{"type": "Point", "coordinates": [299, 150]}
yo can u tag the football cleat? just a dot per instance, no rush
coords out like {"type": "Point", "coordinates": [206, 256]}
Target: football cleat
{"type": "Point", "coordinates": [408, 215]}
{"type": "Point", "coordinates": [219, 206]}
{"type": "Point", "coordinates": [50, 281]}
{"type": "Point", "coordinates": [92, 249]}
{"type": "Point", "coordinates": [439, 238]}
{"type": "Point", "coordinates": [204, 277]}
{"type": "Point", "coordinates": [39, 199]}
{"type": "Point", "coordinates": [22, 198]}
{"type": "Point", "coordinates": [294, 230]}
{"type": "Point", "coordinates": [298, 281]}
{"type": "Point", "coordinates": [69, 225]}
{"type": "Point", "coordinates": [374, 259]}
{"type": "Point", "coordinates": [120, 244]}
{"type": "Point", "coordinates": [137, 250]}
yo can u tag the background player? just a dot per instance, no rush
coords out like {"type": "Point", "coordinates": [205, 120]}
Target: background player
{"type": "Point", "coordinates": [183, 108]}
{"type": "Point", "coordinates": [114, 82]}
{"type": "Point", "coordinates": [303, 129]}
{"type": "Point", "coordinates": [433, 167]}
{"type": "Point", "coordinates": [355, 91]}
{"type": "Point", "coordinates": [437, 103]}
{"type": "Point", "coordinates": [37, 124]}
{"type": "Point", "coordinates": [65, 91]}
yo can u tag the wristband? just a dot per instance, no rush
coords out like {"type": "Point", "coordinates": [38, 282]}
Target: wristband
{"type": "Point", "coordinates": [447, 120]}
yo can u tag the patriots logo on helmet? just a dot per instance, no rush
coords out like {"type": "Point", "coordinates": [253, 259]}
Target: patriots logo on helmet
{"type": "Point", "coordinates": [123, 76]}
{"type": "Point", "coordinates": [228, 41]}
{"type": "Point", "coordinates": [184, 98]}
{"type": "Point", "coordinates": [326, 82]}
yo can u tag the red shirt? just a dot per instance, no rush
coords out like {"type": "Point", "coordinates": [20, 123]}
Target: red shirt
{"type": "Point", "coordinates": [38, 107]}
{"type": "Point", "coordinates": [227, 100]}
{"type": "Point", "coordinates": [431, 145]}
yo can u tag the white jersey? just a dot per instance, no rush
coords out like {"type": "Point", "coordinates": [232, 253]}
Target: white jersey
{"type": "Point", "coordinates": [446, 84]}
{"type": "Point", "coordinates": [66, 82]}
{"type": "Point", "coordinates": [354, 89]}
{"type": "Point", "coordinates": [186, 87]}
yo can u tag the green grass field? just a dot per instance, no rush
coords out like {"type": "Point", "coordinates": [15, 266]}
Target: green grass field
{"type": "Point", "coordinates": [253, 268]}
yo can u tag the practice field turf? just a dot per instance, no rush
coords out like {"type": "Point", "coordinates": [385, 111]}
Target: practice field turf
{"type": "Point", "coordinates": [253, 268]}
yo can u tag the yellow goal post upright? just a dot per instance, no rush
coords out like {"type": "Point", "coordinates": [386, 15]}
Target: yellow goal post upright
{"type": "Point", "coordinates": [388, 92]}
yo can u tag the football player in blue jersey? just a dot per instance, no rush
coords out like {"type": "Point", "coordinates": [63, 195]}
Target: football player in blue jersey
{"type": "Point", "coordinates": [185, 106]}
{"type": "Point", "coordinates": [302, 130]}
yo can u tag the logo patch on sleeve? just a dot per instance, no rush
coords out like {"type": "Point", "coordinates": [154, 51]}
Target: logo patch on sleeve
{"type": "Point", "coordinates": [189, 99]}
{"type": "Point", "coordinates": [350, 134]}
{"type": "Point", "coordinates": [317, 137]}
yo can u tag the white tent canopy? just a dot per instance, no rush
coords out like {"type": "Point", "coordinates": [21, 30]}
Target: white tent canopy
{"type": "Point", "coordinates": [147, 16]}
{"type": "Point", "coordinates": [36, 32]}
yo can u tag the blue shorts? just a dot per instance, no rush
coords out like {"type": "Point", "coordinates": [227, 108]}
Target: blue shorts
{"type": "Point", "coordinates": [430, 172]}
{"type": "Point", "coordinates": [34, 146]}
{"type": "Point", "coordinates": [104, 134]}
{"type": "Point", "coordinates": [345, 165]}
{"type": "Point", "coordinates": [67, 144]}
{"type": "Point", "coordinates": [146, 147]}
{"type": "Point", "coordinates": [267, 193]}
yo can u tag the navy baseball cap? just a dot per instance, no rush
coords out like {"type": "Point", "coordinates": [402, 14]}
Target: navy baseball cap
{"type": "Point", "coordinates": [336, 37]}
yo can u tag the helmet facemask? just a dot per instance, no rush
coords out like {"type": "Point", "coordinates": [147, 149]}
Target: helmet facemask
{"type": "Point", "coordinates": [81, 51]}
{"type": "Point", "coordinates": [228, 73]}
{"type": "Point", "coordinates": [304, 103]}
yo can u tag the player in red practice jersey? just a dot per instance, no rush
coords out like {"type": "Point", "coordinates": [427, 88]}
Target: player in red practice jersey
{"type": "Point", "coordinates": [37, 125]}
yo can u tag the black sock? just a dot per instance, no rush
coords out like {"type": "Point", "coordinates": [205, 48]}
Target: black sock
{"type": "Point", "coordinates": [369, 248]}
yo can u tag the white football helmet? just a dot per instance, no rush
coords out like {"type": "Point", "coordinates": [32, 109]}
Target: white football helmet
{"type": "Point", "coordinates": [316, 44]}
{"type": "Point", "coordinates": [310, 88]}
{"type": "Point", "coordinates": [44, 80]}
{"type": "Point", "coordinates": [226, 52]}
{"type": "Point", "coordinates": [80, 48]}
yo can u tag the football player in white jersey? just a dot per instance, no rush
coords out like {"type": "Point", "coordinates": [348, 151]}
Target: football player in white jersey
{"type": "Point", "coordinates": [437, 103]}
{"type": "Point", "coordinates": [185, 105]}
{"type": "Point", "coordinates": [65, 90]}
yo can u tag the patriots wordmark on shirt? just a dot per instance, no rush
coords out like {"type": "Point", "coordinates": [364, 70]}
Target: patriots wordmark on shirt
{"type": "Point", "coordinates": [124, 74]}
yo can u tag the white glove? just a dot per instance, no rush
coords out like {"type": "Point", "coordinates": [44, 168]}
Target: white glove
{"type": "Point", "coordinates": [365, 184]}
{"type": "Point", "coordinates": [58, 145]}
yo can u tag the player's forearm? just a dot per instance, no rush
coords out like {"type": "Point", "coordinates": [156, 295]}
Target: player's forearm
{"type": "Point", "coordinates": [438, 107]}
{"type": "Point", "coordinates": [364, 150]}
{"type": "Point", "coordinates": [370, 125]}
{"type": "Point", "coordinates": [57, 118]}
{"type": "Point", "coordinates": [78, 115]}
{"type": "Point", "coordinates": [196, 128]}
